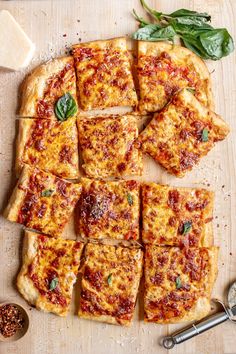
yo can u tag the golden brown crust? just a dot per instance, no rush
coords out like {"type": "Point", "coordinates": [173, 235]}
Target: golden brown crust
{"type": "Point", "coordinates": [177, 216]}
{"type": "Point", "coordinates": [42, 201]}
{"type": "Point", "coordinates": [104, 74]}
{"type": "Point", "coordinates": [110, 283]}
{"type": "Point", "coordinates": [178, 283]}
{"type": "Point", "coordinates": [186, 70]}
{"type": "Point", "coordinates": [107, 146]}
{"type": "Point", "coordinates": [49, 145]}
{"type": "Point", "coordinates": [45, 259]}
{"type": "Point", "coordinates": [45, 85]}
{"type": "Point", "coordinates": [176, 136]}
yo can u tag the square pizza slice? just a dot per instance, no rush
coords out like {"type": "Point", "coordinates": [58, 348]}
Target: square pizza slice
{"type": "Point", "coordinates": [110, 283]}
{"type": "Point", "coordinates": [104, 74]}
{"type": "Point", "coordinates": [163, 69]}
{"type": "Point", "coordinates": [49, 145]}
{"type": "Point", "coordinates": [182, 133]}
{"type": "Point", "coordinates": [177, 216]}
{"type": "Point", "coordinates": [45, 86]}
{"type": "Point", "coordinates": [107, 146]}
{"type": "Point", "coordinates": [178, 283]}
{"type": "Point", "coordinates": [42, 201]}
{"type": "Point", "coordinates": [49, 271]}
{"type": "Point", "coordinates": [109, 210]}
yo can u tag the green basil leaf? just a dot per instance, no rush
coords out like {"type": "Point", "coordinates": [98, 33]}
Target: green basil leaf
{"type": "Point", "coordinates": [130, 199]}
{"type": "Point", "coordinates": [187, 227]}
{"type": "Point", "coordinates": [166, 33]}
{"type": "Point", "coordinates": [145, 33]}
{"type": "Point", "coordinates": [65, 107]}
{"type": "Point", "coordinates": [109, 279]}
{"type": "Point", "coordinates": [192, 90]}
{"type": "Point", "coordinates": [47, 192]}
{"type": "Point", "coordinates": [53, 284]}
{"type": "Point", "coordinates": [192, 21]}
{"type": "Point", "coordinates": [217, 43]}
{"type": "Point", "coordinates": [154, 33]}
{"type": "Point", "coordinates": [178, 283]}
{"type": "Point", "coordinates": [192, 44]}
{"type": "Point", "coordinates": [204, 136]}
{"type": "Point", "coordinates": [189, 13]}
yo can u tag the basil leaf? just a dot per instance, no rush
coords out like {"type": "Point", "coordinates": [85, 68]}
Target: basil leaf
{"type": "Point", "coordinates": [192, 21]}
{"type": "Point", "coordinates": [109, 279]}
{"type": "Point", "coordinates": [189, 13]}
{"type": "Point", "coordinates": [166, 33]}
{"type": "Point", "coordinates": [145, 33]}
{"type": "Point", "coordinates": [204, 136]}
{"type": "Point", "coordinates": [47, 192]}
{"type": "Point", "coordinates": [192, 90]}
{"type": "Point", "coordinates": [217, 43]}
{"type": "Point", "coordinates": [53, 284]}
{"type": "Point", "coordinates": [130, 199]}
{"type": "Point", "coordinates": [178, 283]}
{"type": "Point", "coordinates": [186, 227]}
{"type": "Point", "coordinates": [65, 107]}
{"type": "Point", "coordinates": [192, 44]}
{"type": "Point", "coordinates": [155, 33]}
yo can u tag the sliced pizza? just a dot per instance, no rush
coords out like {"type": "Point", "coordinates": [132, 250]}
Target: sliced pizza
{"type": "Point", "coordinates": [110, 283]}
{"type": "Point", "coordinates": [177, 216]}
{"type": "Point", "coordinates": [42, 201]}
{"type": "Point", "coordinates": [107, 146]}
{"type": "Point", "coordinates": [104, 75]}
{"type": "Point", "coordinates": [163, 69]}
{"type": "Point", "coordinates": [49, 145]}
{"type": "Point", "coordinates": [49, 271]}
{"type": "Point", "coordinates": [182, 133]}
{"type": "Point", "coordinates": [109, 210]}
{"type": "Point", "coordinates": [178, 283]}
{"type": "Point", "coordinates": [48, 83]}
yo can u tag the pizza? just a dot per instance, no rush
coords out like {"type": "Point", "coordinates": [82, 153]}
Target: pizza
{"type": "Point", "coordinates": [177, 216]}
{"type": "Point", "coordinates": [104, 74]}
{"type": "Point", "coordinates": [42, 201]}
{"type": "Point", "coordinates": [110, 282]}
{"type": "Point", "coordinates": [178, 283]}
{"type": "Point", "coordinates": [45, 85]}
{"type": "Point", "coordinates": [49, 271]}
{"type": "Point", "coordinates": [163, 69]}
{"type": "Point", "coordinates": [49, 145]}
{"type": "Point", "coordinates": [109, 210]}
{"type": "Point", "coordinates": [107, 146]}
{"type": "Point", "coordinates": [182, 133]}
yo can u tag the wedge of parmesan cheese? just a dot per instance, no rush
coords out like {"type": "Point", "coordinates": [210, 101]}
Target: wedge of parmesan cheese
{"type": "Point", "coordinates": [16, 49]}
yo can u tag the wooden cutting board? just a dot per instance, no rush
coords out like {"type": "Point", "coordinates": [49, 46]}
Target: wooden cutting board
{"type": "Point", "coordinates": [54, 26]}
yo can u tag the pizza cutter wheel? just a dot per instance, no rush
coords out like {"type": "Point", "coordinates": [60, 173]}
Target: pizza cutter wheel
{"type": "Point", "coordinates": [228, 313]}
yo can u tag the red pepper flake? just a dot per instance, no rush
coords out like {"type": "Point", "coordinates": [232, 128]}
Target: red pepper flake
{"type": "Point", "coordinates": [11, 320]}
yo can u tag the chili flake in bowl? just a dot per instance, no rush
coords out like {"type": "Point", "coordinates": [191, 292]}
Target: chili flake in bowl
{"type": "Point", "coordinates": [14, 322]}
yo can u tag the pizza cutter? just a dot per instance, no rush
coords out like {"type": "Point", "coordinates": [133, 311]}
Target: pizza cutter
{"type": "Point", "coordinates": [228, 313]}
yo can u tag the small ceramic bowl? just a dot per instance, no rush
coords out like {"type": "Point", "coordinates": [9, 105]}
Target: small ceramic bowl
{"type": "Point", "coordinates": [21, 332]}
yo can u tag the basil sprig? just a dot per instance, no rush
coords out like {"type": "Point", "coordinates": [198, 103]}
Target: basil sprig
{"type": "Point", "coordinates": [191, 26]}
{"type": "Point", "coordinates": [178, 282]}
{"type": "Point", "coordinates": [47, 192]}
{"type": "Point", "coordinates": [53, 284]}
{"type": "Point", "coordinates": [65, 107]}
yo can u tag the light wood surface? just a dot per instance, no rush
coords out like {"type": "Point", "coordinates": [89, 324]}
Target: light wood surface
{"type": "Point", "coordinates": [47, 23]}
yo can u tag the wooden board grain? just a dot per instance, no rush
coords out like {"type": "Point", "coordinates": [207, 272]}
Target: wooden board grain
{"type": "Point", "coordinates": [54, 26]}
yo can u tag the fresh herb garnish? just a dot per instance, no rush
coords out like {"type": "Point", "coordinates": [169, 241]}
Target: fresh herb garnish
{"type": "Point", "coordinates": [186, 227]}
{"type": "Point", "coordinates": [130, 199]}
{"type": "Point", "coordinates": [191, 27]}
{"type": "Point", "coordinates": [204, 136]}
{"type": "Point", "coordinates": [178, 283]}
{"type": "Point", "coordinates": [109, 279]}
{"type": "Point", "coordinates": [192, 90]}
{"type": "Point", "coordinates": [65, 107]}
{"type": "Point", "coordinates": [47, 192]}
{"type": "Point", "coordinates": [53, 284]}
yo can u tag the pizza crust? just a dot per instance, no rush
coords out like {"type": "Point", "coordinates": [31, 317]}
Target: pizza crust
{"type": "Point", "coordinates": [177, 53]}
{"type": "Point", "coordinates": [24, 128]}
{"type": "Point", "coordinates": [34, 85]}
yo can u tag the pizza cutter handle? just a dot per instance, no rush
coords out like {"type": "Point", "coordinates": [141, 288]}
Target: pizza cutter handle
{"type": "Point", "coordinates": [195, 329]}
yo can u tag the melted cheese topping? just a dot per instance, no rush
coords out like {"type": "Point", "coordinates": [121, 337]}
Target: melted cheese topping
{"type": "Point", "coordinates": [104, 74]}
{"type": "Point", "coordinates": [47, 214]}
{"type": "Point", "coordinates": [109, 210]}
{"type": "Point", "coordinates": [165, 69]}
{"type": "Point", "coordinates": [110, 283]}
{"type": "Point", "coordinates": [52, 146]}
{"type": "Point", "coordinates": [177, 281]}
{"type": "Point", "coordinates": [107, 146]}
{"type": "Point", "coordinates": [167, 209]}
{"type": "Point", "coordinates": [174, 136]}
{"type": "Point", "coordinates": [53, 269]}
